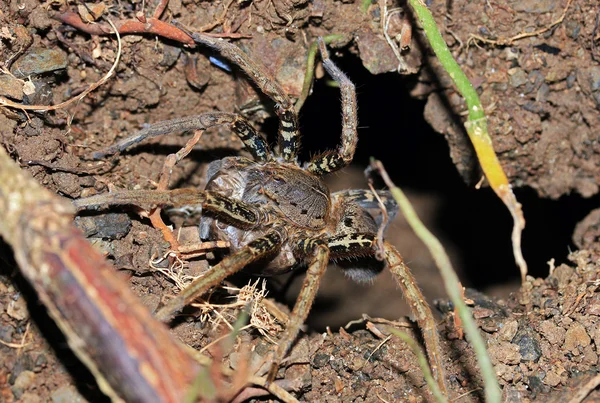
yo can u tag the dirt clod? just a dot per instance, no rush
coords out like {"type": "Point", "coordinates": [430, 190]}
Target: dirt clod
{"type": "Point", "coordinates": [542, 96]}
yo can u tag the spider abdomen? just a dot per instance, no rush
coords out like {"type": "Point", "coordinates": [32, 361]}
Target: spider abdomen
{"type": "Point", "coordinates": [300, 196]}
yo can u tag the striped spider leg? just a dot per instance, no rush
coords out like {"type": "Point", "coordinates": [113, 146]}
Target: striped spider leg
{"type": "Point", "coordinates": [273, 210]}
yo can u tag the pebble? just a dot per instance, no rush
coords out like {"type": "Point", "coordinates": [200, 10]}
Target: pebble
{"type": "Point", "coordinates": [106, 226]}
{"type": "Point", "coordinates": [11, 87]}
{"type": "Point", "coordinates": [320, 360]}
{"type": "Point", "coordinates": [24, 380]}
{"type": "Point", "coordinates": [535, 384]}
{"type": "Point", "coordinates": [535, 6]}
{"type": "Point", "coordinates": [552, 379]}
{"type": "Point", "coordinates": [18, 309]}
{"type": "Point", "coordinates": [40, 362]}
{"type": "Point", "coordinates": [29, 397]}
{"type": "Point", "coordinates": [23, 363]}
{"type": "Point", "coordinates": [508, 330]}
{"type": "Point", "coordinates": [517, 77]}
{"type": "Point", "coordinates": [39, 60]}
{"type": "Point", "coordinates": [375, 53]}
{"type": "Point", "coordinates": [563, 274]}
{"type": "Point", "coordinates": [554, 375]}
{"type": "Point", "coordinates": [67, 183]}
{"type": "Point", "coordinates": [66, 394]}
{"type": "Point", "coordinates": [576, 337]}
{"type": "Point", "coordinates": [529, 346]}
{"type": "Point", "coordinates": [511, 394]}
{"type": "Point", "coordinates": [554, 334]}
{"type": "Point", "coordinates": [151, 301]}
{"type": "Point", "coordinates": [505, 353]}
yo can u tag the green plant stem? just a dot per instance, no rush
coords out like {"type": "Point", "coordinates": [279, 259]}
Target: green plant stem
{"type": "Point", "coordinates": [310, 68]}
{"type": "Point", "coordinates": [442, 52]}
{"type": "Point", "coordinates": [451, 284]}
{"type": "Point", "coordinates": [476, 127]}
{"type": "Point", "coordinates": [364, 5]}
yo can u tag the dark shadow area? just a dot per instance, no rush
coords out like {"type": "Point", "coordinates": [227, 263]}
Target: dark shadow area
{"type": "Point", "coordinates": [393, 129]}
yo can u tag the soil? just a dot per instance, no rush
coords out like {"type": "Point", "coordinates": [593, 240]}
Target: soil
{"type": "Point", "coordinates": [542, 94]}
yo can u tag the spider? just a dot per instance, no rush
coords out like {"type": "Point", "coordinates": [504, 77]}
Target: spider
{"type": "Point", "coordinates": [275, 212]}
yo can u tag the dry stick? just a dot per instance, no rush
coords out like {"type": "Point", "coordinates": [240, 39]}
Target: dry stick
{"type": "Point", "coordinates": [8, 103]}
{"type": "Point", "coordinates": [132, 356]}
{"type": "Point", "coordinates": [509, 41]}
{"type": "Point", "coordinates": [160, 8]}
{"type": "Point", "coordinates": [476, 126]}
{"type": "Point", "coordinates": [81, 291]}
{"type": "Point", "coordinates": [582, 393]}
{"type": "Point", "coordinates": [151, 26]}
{"type": "Point", "coordinates": [163, 184]}
{"type": "Point", "coordinates": [131, 27]}
{"type": "Point", "coordinates": [451, 283]}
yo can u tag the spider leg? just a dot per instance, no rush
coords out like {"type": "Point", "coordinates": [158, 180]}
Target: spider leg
{"type": "Point", "coordinates": [253, 251]}
{"type": "Point", "coordinates": [367, 200]}
{"type": "Point", "coordinates": [421, 312]}
{"type": "Point", "coordinates": [363, 244]}
{"type": "Point", "coordinates": [310, 286]}
{"type": "Point", "coordinates": [233, 211]}
{"type": "Point", "coordinates": [253, 142]}
{"type": "Point", "coordinates": [289, 136]}
{"type": "Point", "coordinates": [334, 160]}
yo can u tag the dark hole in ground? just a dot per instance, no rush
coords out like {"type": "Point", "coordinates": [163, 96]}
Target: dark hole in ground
{"type": "Point", "coordinates": [392, 129]}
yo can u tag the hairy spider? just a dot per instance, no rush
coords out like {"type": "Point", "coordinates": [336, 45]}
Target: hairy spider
{"type": "Point", "coordinates": [276, 213]}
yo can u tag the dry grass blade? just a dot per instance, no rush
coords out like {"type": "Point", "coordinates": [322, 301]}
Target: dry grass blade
{"type": "Point", "coordinates": [5, 102]}
{"type": "Point", "coordinates": [476, 127]}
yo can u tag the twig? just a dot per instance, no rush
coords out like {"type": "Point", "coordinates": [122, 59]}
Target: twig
{"type": "Point", "coordinates": [151, 25]}
{"type": "Point", "coordinates": [451, 283]}
{"type": "Point", "coordinates": [522, 35]}
{"type": "Point", "coordinates": [385, 218]}
{"type": "Point", "coordinates": [125, 27]}
{"type": "Point", "coordinates": [385, 20]}
{"type": "Point", "coordinates": [160, 8]}
{"type": "Point", "coordinates": [163, 184]}
{"type": "Point", "coordinates": [310, 69]}
{"type": "Point", "coordinates": [4, 102]}
{"type": "Point", "coordinates": [586, 389]}
{"type": "Point", "coordinates": [476, 126]}
{"type": "Point", "coordinates": [86, 298]}
{"type": "Point", "coordinates": [379, 346]}
{"type": "Point", "coordinates": [22, 344]}
{"type": "Point", "coordinates": [97, 170]}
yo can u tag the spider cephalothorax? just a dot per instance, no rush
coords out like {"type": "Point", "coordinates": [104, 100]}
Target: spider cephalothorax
{"type": "Point", "coordinates": [296, 202]}
{"type": "Point", "coordinates": [270, 208]}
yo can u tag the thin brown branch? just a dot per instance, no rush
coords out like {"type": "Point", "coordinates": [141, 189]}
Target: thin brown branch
{"type": "Point", "coordinates": [160, 8]}
{"type": "Point", "coordinates": [132, 356]}
{"type": "Point", "coordinates": [522, 35]}
{"type": "Point", "coordinates": [126, 27]}
{"type": "Point", "coordinates": [8, 103]}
